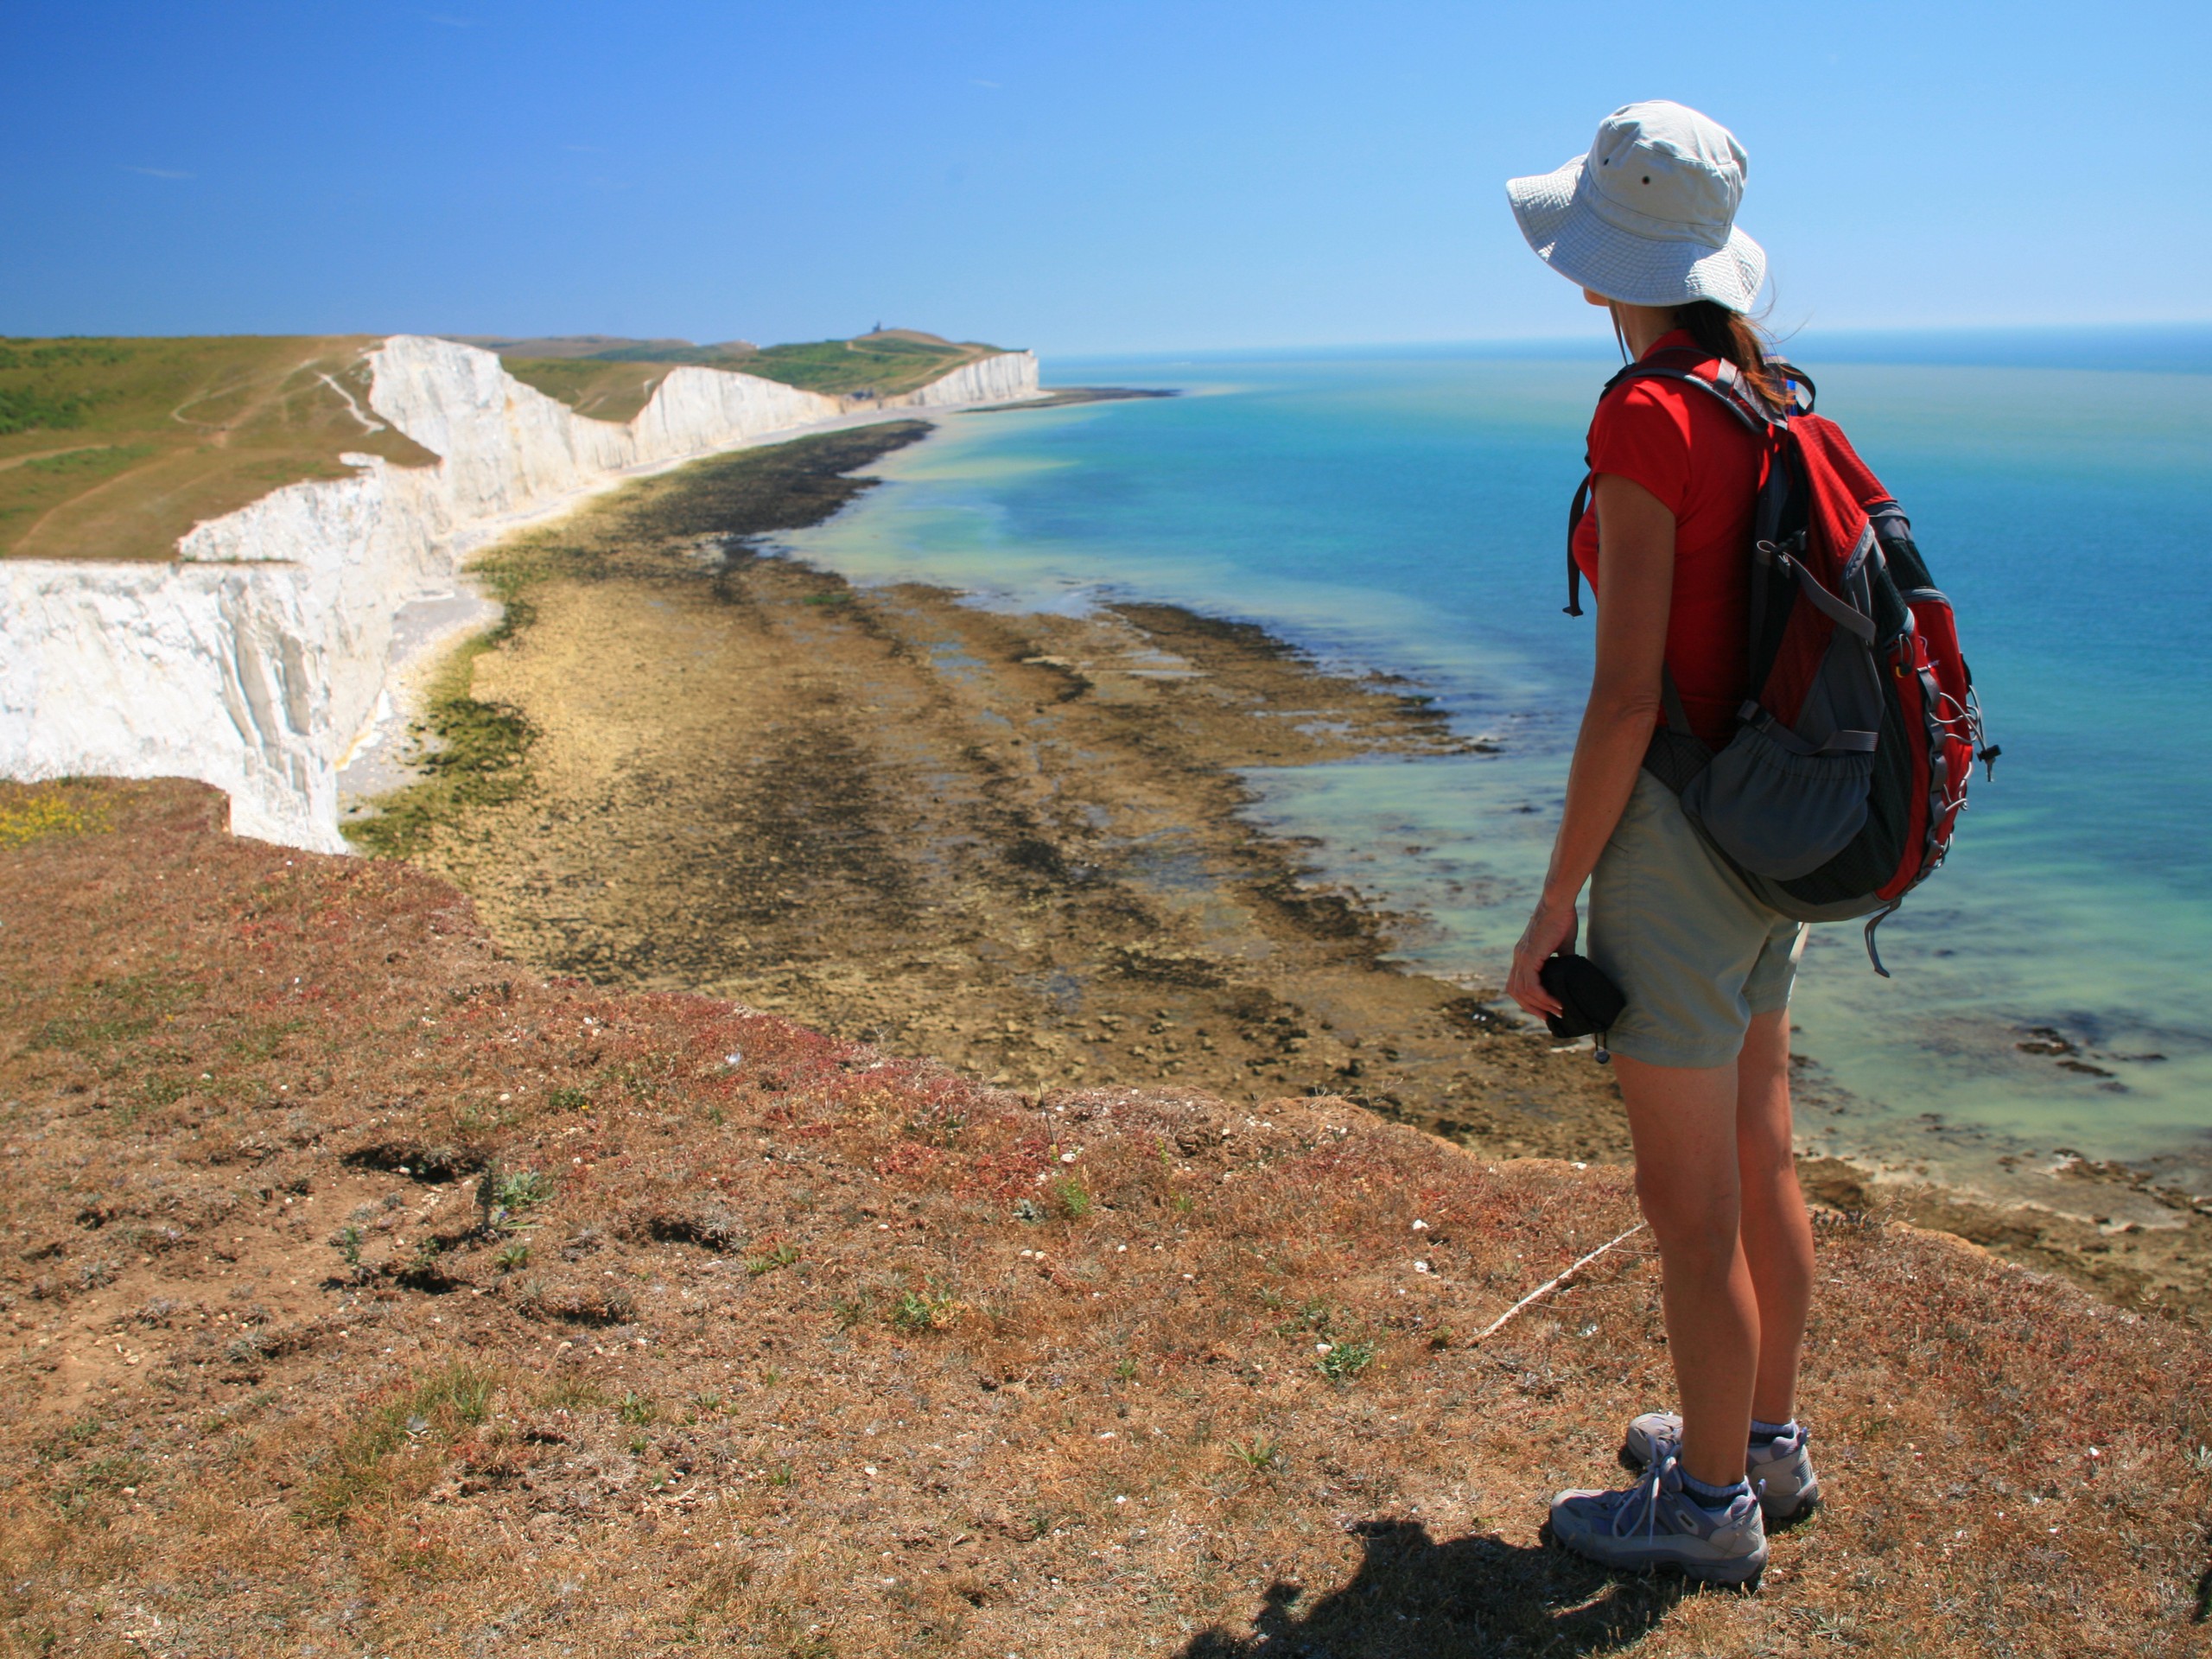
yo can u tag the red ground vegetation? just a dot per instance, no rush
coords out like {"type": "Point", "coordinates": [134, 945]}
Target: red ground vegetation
{"type": "Point", "coordinates": [367, 1294]}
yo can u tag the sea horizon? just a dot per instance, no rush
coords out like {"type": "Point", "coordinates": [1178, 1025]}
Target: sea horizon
{"type": "Point", "coordinates": [2176, 347]}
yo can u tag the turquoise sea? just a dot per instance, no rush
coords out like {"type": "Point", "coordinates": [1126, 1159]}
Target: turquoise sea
{"type": "Point", "coordinates": [1403, 510]}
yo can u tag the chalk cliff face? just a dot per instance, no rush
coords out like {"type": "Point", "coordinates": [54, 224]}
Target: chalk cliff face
{"type": "Point", "coordinates": [256, 661]}
{"type": "Point", "coordinates": [1000, 380]}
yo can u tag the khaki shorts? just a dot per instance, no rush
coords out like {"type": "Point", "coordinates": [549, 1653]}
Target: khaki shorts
{"type": "Point", "coordinates": [1694, 953]}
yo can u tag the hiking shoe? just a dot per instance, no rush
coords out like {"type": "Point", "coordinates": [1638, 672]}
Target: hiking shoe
{"type": "Point", "coordinates": [1656, 1523]}
{"type": "Point", "coordinates": [1781, 1473]}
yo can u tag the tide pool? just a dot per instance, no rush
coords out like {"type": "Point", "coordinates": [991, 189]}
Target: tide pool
{"type": "Point", "coordinates": [1404, 511]}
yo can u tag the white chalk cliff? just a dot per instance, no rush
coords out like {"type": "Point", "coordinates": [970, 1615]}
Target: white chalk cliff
{"type": "Point", "coordinates": [257, 659]}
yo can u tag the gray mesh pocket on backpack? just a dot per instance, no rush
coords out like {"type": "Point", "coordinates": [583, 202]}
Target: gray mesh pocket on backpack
{"type": "Point", "coordinates": [1779, 813]}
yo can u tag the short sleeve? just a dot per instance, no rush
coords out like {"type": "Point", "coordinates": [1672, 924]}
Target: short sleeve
{"type": "Point", "coordinates": [1642, 434]}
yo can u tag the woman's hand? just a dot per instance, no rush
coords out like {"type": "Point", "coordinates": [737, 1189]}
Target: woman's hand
{"type": "Point", "coordinates": [1551, 930]}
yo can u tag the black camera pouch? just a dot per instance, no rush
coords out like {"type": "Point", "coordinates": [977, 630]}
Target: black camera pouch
{"type": "Point", "coordinates": [1589, 1000]}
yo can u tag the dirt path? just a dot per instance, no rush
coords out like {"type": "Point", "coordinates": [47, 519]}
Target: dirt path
{"type": "Point", "coordinates": [48, 454]}
{"type": "Point", "coordinates": [74, 503]}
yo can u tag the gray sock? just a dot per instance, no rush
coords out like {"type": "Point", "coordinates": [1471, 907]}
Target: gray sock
{"type": "Point", "coordinates": [1761, 1431]}
{"type": "Point", "coordinates": [1714, 1499]}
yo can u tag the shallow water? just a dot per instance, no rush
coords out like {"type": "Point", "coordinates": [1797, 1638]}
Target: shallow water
{"type": "Point", "coordinates": [1404, 512]}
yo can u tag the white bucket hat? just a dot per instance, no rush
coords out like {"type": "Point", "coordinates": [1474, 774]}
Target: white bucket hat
{"type": "Point", "coordinates": [1648, 216]}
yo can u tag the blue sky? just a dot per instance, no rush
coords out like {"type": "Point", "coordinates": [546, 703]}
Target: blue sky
{"type": "Point", "coordinates": [1074, 177]}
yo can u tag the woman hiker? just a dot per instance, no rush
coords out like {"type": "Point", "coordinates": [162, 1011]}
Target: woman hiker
{"type": "Point", "coordinates": [1645, 225]}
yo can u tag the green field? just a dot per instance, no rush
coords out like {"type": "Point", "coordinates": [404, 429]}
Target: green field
{"type": "Point", "coordinates": [114, 449]}
{"type": "Point", "coordinates": [605, 391]}
{"type": "Point", "coordinates": [883, 365]}
{"type": "Point", "coordinates": [612, 380]}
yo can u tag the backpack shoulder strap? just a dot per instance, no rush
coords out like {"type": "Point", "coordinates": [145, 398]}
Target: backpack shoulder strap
{"type": "Point", "coordinates": [1574, 512]}
{"type": "Point", "coordinates": [1727, 383]}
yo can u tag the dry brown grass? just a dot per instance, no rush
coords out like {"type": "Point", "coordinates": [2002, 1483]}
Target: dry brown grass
{"type": "Point", "coordinates": [117, 447]}
{"type": "Point", "coordinates": [603, 391]}
{"type": "Point", "coordinates": [668, 1327]}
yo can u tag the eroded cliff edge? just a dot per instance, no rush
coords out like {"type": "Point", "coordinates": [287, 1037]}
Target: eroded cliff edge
{"type": "Point", "coordinates": [256, 659]}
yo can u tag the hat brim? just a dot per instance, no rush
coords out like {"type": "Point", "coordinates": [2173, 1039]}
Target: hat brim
{"type": "Point", "coordinates": [1573, 241]}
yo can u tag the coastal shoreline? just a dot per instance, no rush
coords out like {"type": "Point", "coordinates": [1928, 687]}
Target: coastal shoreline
{"type": "Point", "coordinates": [1065, 396]}
{"type": "Point", "coordinates": [1017, 844]}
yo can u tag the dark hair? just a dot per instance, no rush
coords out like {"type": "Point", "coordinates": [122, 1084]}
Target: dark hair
{"type": "Point", "coordinates": [1734, 337]}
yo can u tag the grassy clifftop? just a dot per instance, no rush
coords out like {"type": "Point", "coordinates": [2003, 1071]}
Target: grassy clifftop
{"type": "Point", "coordinates": [612, 379]}
{"type": "Point", "coordinates": [604, 376]}
{"type": "Point", "coordinates": [881, 364]}
{"type": "Point", "coordinates": [364, 1291]}
{"type": "Point", "coordinates": [114, 449]}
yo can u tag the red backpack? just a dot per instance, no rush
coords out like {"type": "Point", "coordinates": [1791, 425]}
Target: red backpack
{"type": "Point", "coordinates": [1848, 769]}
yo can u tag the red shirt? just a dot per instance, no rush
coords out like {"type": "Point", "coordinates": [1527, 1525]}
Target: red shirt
{"type": "Point", "coordinates": [1703, 466]}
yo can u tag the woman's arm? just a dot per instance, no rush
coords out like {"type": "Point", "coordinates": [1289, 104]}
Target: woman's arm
{"type": "Point", "coordinates": [1636, 585]}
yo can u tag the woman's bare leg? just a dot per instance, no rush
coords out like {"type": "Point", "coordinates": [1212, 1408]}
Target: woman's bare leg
{"type": "Point", "coordinates": [1684, 1122]}
{"type": "Point", "coordinates": [1777, 1236]}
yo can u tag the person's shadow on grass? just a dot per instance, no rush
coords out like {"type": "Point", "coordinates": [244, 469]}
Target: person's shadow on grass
{"type": "Point", "coordinates": [1466, 1599]}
